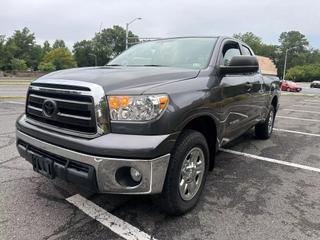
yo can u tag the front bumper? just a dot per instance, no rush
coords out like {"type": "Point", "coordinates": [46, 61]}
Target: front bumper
{"type": "Point", "coordinates": [124, 146]}
{"type": "Point", "coordinates": [102, 177]}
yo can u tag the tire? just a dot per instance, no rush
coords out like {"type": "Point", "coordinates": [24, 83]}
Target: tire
{"type": "Point", "coordinates": [264, 130]}
{"type": "Point", "coordinates": [174, 199]}
{"type": "Point", "coordinates": [288, 89]}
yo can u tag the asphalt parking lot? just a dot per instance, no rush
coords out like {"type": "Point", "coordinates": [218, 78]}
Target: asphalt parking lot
{"type": "Point", "coordinates": [258, 190]}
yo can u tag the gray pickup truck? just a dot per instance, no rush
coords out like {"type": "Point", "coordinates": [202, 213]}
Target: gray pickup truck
{"type": "Point", "coordinates": [150, 121]}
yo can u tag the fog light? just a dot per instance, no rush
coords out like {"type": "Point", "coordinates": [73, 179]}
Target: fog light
{"type": "Point", "coordinates": [135, 174]}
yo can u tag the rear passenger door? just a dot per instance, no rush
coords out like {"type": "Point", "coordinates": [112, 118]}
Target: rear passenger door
{"type": "Point", "coordinates": [236, 107]}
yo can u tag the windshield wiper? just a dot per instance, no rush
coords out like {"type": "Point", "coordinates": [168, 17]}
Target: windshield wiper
{"type": "Point", "coordinates": [148, 65]}
{"type": "Point", "coordinates": [136, 65]}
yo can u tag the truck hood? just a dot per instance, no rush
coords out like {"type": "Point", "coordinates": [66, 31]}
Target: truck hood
{"type": "Point", "coordinates": [124, 80]}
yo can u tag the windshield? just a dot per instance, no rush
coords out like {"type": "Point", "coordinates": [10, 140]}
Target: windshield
{"type": "Point", "coordinates": [191, 53]}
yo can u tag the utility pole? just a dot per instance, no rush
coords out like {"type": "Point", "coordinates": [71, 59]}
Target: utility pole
{"type": "Point", "coordinates": [127, 29]}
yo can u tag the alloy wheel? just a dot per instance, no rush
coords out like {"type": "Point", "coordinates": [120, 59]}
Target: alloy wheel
{"type": "Point", "coordinates": [191, 173]}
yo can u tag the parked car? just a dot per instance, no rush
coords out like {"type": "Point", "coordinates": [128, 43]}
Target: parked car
{"type": "Point", "coordinates": [290, 86]}
{"type": "Point", "coordinates": [151, 120]}
{"type": "Point", "coordinates": [315, 84]}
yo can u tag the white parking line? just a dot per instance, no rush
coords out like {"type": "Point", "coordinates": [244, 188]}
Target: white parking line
{"type": "Point", "coordinates": [112, 222]}
{"type": "Point", "coordinates": [270, 160]}
{"type": "Point", "coordinates": [297, 132]}
{"type": "Point", "coordinates": [305, 106]}
{"type": "Point", "coordinates": [311, 101]}
{"type": "Point", "coordinates": [297, 110]}
{"type": "Point", "coordinates": [300, 119]}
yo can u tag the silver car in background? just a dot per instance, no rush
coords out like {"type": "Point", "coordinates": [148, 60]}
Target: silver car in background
{"type": "Point", "coordinates": [315, 84]}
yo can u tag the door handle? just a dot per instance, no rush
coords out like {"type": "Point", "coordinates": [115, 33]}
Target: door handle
{"type": "Point", "coordinates": [249, 86]}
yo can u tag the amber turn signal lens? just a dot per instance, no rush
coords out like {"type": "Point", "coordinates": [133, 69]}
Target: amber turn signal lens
{"type": "Point", "coordinates": [163, 102]}
{"type": "Point", "coordinates": [115, 102]}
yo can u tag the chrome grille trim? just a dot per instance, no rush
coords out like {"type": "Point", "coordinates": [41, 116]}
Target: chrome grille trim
{"type": "Point", "coordinates": [58, 99]}
{"type": "Point", "coordinates": [95, 91]}
{"type": "Point", "coordinates": [34, 108]}
{"type": "Point", "coordinates": [73, 116]}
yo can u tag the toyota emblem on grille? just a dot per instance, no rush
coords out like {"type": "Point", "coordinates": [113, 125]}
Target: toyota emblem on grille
{"type": "Point", "coordinates": [49, 108]}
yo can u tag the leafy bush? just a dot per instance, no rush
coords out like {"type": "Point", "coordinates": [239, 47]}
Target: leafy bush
{"type": "Point", "coordinates": [18, 64]}
{"type": "Point", "coordinates": [304, 73]}
{"type": "Point", "coordinates": [60, 58]}
{"type": "Point", "coordinates": [46, 67]}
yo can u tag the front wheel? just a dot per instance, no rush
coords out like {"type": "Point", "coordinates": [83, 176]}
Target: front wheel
{"type": "Point", "coordinates": [264, 130]}
{"type": "Point", "coordinates": [186, 174]}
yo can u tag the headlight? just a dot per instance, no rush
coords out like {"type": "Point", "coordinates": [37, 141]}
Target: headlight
{"type": "Point", "coordinates": [136, 108]}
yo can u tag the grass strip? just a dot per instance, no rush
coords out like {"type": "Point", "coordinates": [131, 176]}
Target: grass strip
{"type": "Point", "coordinates": [11, 97]}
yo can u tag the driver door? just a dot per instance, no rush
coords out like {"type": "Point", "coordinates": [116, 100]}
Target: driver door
{"type": "Point", "coordinates": [236, 107]}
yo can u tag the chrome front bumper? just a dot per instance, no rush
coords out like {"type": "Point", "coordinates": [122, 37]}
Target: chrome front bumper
{"type": "Point", "coordinates": [153, 170]}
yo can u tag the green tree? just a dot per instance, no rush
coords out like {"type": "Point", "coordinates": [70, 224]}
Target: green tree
{"type": "Point", "coordinates": [83, 51]}
{"type": "Point", "coordinates": [59, 44]}
{"type": "Point", "coordinates": [18, 64]}
{"type": "Point", "coordinates": [312, 56]}
{"type": "Point", "coordinates": [2, 52]}
{"type": "Point", "coordinates": [46, 67]}
{"type": "Point", "coordinates": [36, 56]}
{"type": "Point", "coordinates": [9, 50]}
{"type": "Point", "coordinates": [297, 55]}
{"type": "Point", "coordinates": [61, 58]}
{"type": "Point", "coordinates": [46, 47]}
{"type": "Point", "coordinates": [22, 46]}
{"type": "Point", "coordinates": [110, 42]}
{"type": "Point", "coordinates": [293, 39]}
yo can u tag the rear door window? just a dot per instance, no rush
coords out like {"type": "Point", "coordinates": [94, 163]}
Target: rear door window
{"type": "Point", "coordinates": [246, 51]}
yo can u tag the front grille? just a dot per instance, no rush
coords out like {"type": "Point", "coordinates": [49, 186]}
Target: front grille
{"type": "Point", "coordinates": [73, 106]}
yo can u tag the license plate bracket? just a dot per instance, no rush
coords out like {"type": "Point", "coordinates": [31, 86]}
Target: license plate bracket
{"type": "Point", "coordinates": [43, 165]}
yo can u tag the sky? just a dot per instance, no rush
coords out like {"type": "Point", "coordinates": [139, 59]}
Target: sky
{"type": "Point", "coordinates": [75, 20]}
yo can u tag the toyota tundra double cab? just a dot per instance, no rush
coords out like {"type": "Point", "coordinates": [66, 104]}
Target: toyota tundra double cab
{"type": "Point", "coordinates": [151, 120]}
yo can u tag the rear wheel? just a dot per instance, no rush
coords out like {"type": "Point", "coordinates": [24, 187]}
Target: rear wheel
{"type": "Point", "coordinates": [264, 130]}
{"type": "Point", "coordinates": [186, 174]}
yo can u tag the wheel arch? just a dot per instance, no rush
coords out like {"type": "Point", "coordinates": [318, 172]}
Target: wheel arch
{"type": "Point", "coordinates": [205, 124]}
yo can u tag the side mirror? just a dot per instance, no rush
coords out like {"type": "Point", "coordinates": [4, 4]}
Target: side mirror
{"type": "Point", "coordinates": [241, 64]}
